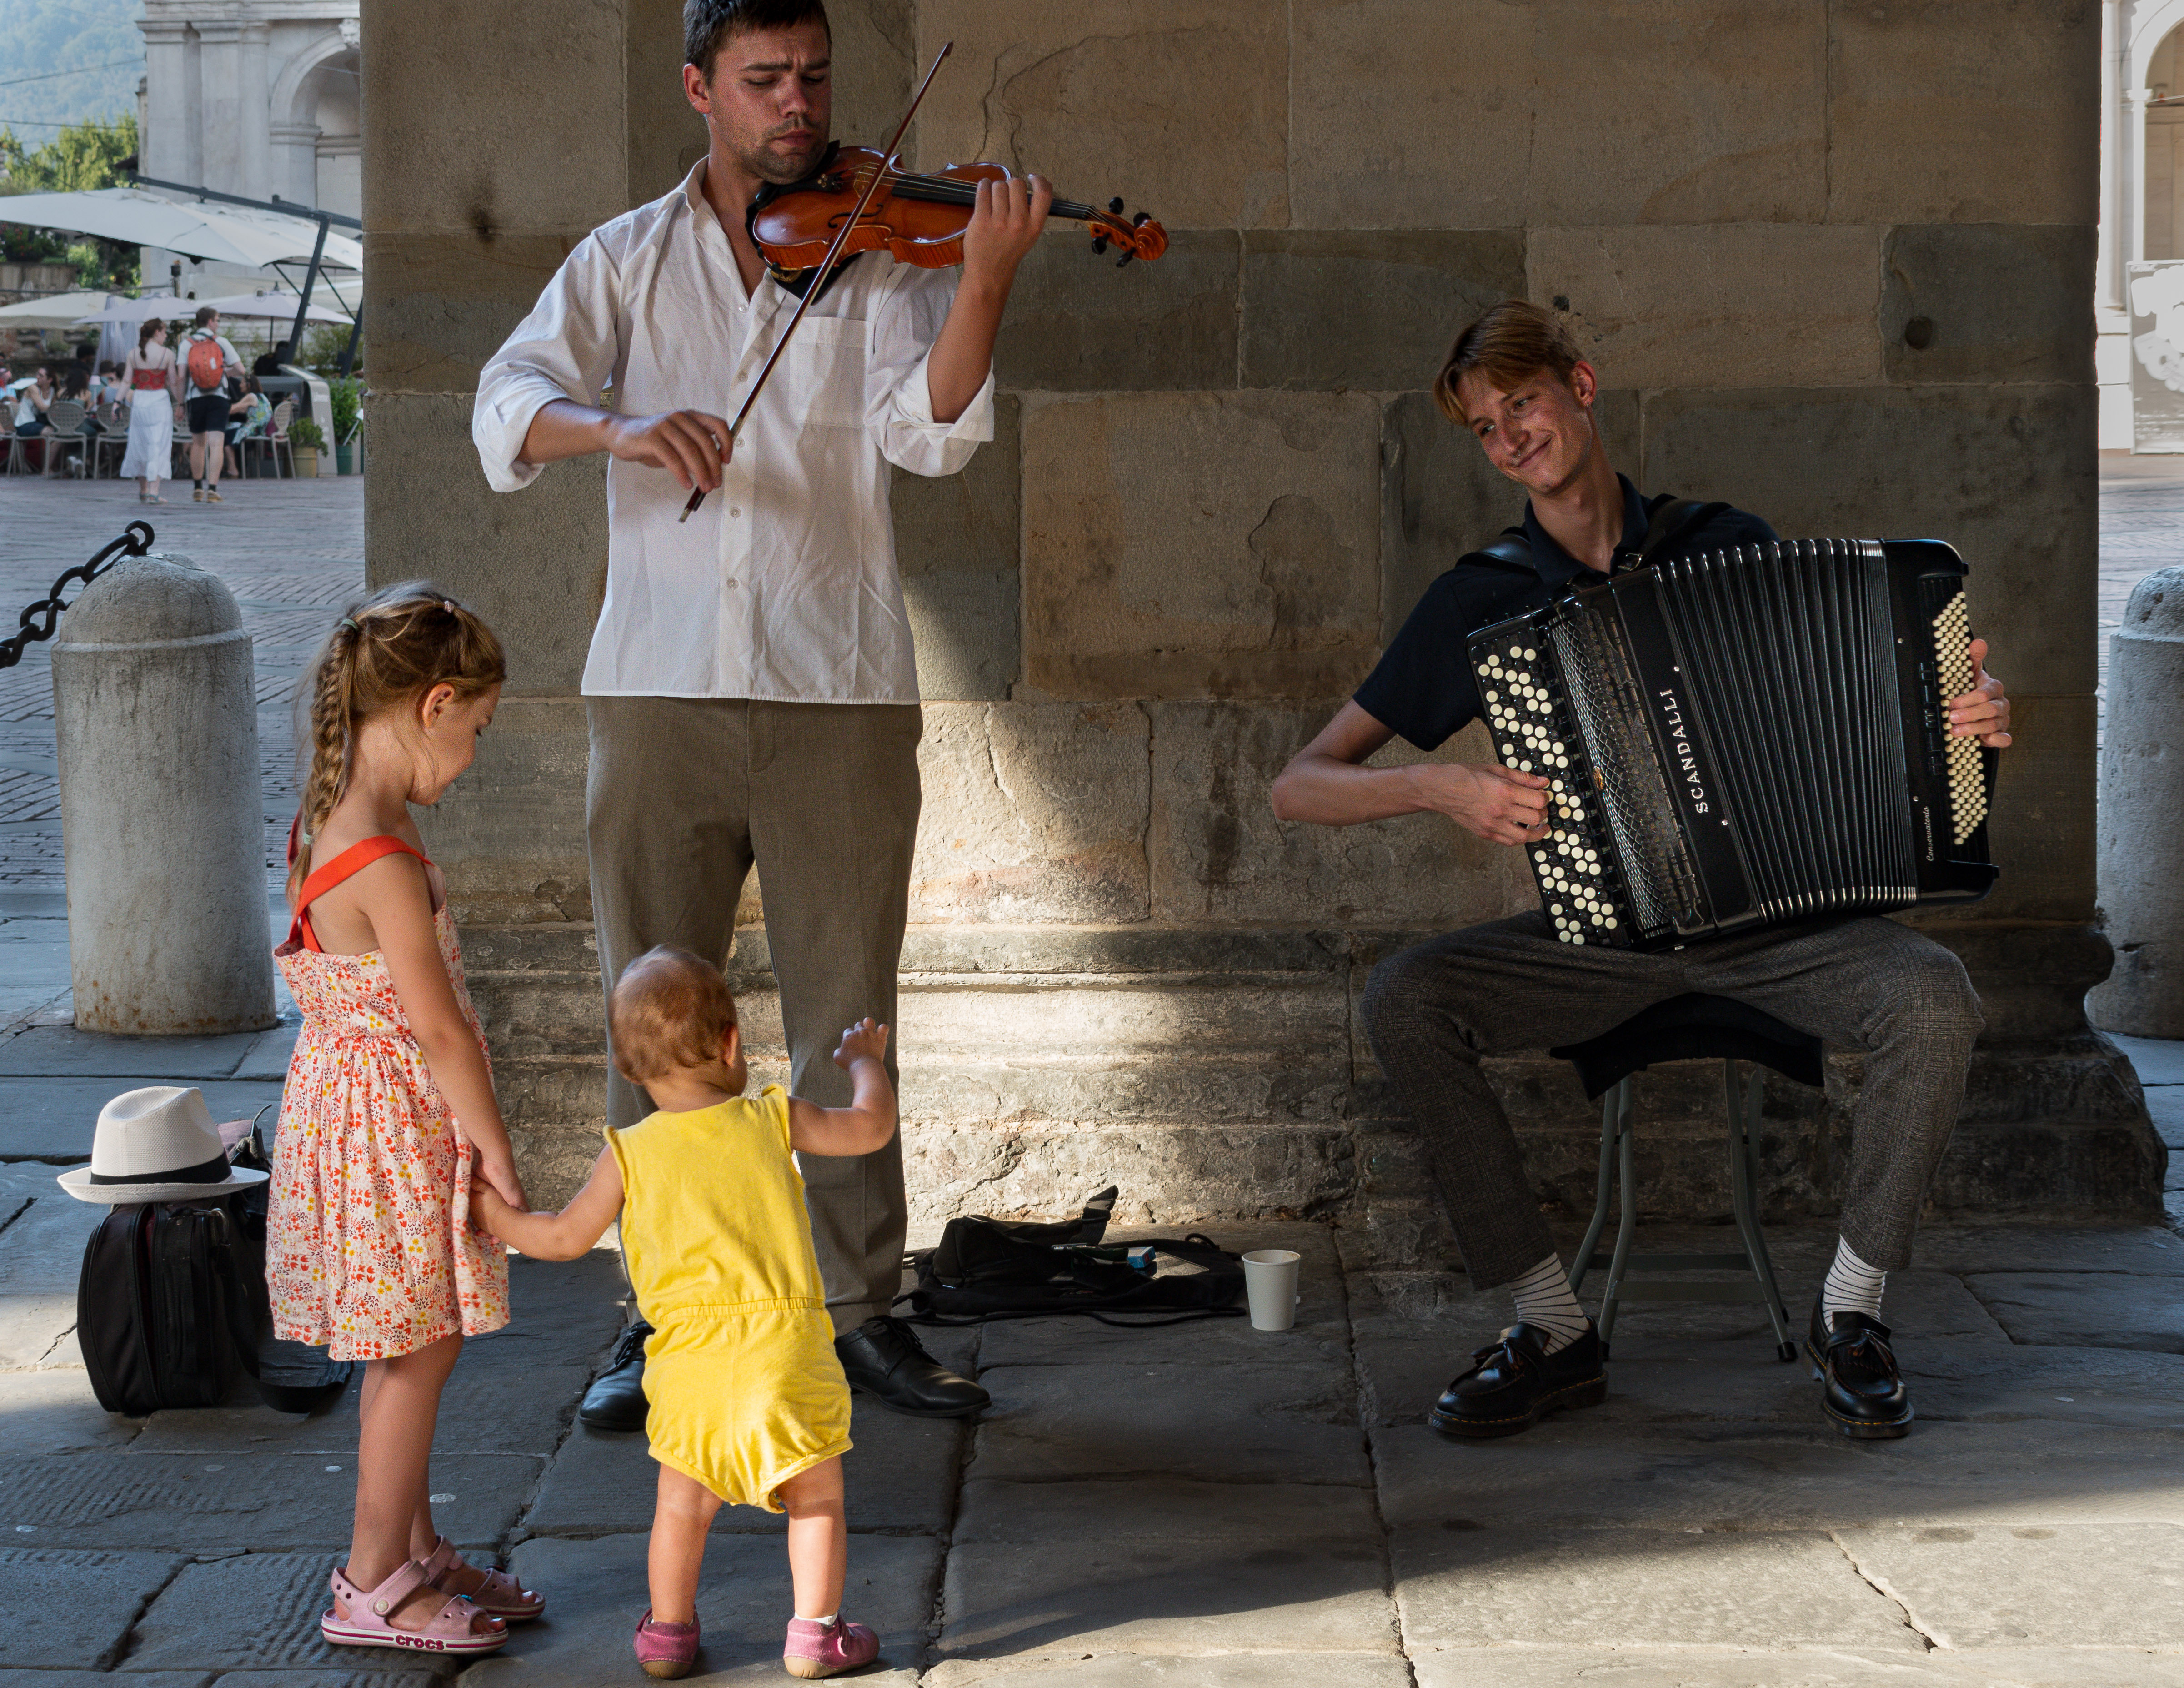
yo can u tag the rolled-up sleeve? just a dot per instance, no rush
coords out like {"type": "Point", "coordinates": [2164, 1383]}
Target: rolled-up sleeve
{"type": "Point", "coordinates": [564, 349]}
{"type": "Point", "coordinates": [906, 320]}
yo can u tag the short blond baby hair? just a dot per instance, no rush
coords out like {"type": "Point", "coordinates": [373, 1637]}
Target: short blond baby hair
{"type": "Point", "coordinates": [669, 1009]}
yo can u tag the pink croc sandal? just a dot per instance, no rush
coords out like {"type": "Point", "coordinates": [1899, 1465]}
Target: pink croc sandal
{"type": "Point", "coordinates": [499, 1593]}
{"type": "Point", "coordinates": [666, 1650]}
{"type": "Point", "coordinates": [817, 1649]}
{"type": "Point", "coordinates": [366, 1626]}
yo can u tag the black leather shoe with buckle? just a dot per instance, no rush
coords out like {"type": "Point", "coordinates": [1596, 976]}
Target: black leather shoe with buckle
{"type": "Point", "coordinates": [1861, 1389]}
{"type": "Point", "coordinates": [1513, 1385]}
{"type": "Point", "coordinates": [884, 1358]}
{"type": "Point", "coordinates": [615, 1399]}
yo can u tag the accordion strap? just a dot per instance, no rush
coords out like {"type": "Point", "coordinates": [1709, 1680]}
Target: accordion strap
{"type": "Point", "coordinates": [1671, 518]}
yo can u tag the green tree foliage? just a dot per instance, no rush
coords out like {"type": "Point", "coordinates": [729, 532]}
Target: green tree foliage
{"type": "Point", "coordinates": [63, 60]}
{"type": "Point", "coordinates": [83, 156]}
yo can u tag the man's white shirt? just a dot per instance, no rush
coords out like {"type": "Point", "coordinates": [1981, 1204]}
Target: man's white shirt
{"type": "Point", "coordinates": [783, 585]}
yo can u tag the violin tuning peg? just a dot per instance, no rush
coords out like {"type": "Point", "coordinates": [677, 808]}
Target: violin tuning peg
{"type": "Point", "coordinates": [1100, 243]}
{"type": "Point", "coordinates": [1124, 260]}
{"type": "Point", "coordinates": [1141, 220]}
{"type": "Point", "coordinates": [1115, 204]}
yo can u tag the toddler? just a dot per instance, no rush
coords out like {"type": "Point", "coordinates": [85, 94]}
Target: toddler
{"type": "Point", "coordinates": [748, 1401]}
{"type": "Point", "coordinates": [388, 1109]}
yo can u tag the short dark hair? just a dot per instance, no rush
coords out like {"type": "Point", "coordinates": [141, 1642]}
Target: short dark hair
{"type": "Point", "coordinates": [707, 23]}
{"type": "Point", "coordinates": [1509, 344]}
{"type": "Point", "coordinates": [205, 314]}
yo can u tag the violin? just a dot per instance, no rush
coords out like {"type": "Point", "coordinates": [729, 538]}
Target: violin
{"type": "Point", "coordinates": [918, 218]}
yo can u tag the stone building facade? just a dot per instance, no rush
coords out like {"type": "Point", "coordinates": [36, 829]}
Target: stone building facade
{"type": "Point", "coordinates": [1219, 483]}
{"type": "Point", "coordinates": [256, 97]}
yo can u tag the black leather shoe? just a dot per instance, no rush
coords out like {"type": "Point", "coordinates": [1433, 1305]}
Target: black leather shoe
{"type": "Point", "coordinates": [1513, 1385]}
{"type": "Point", "coordinates": [1862, 1391]}
{"type": "Point", "coordinates": [884, 1358]}
{"type": "Point", "coordinates": [615, 1399]}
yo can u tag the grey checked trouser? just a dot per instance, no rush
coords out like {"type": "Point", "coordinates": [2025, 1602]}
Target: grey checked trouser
{"type": "Point", "coordinates": [684, 796]}
{"type": "Point", "coordinates": [1433, 1009]}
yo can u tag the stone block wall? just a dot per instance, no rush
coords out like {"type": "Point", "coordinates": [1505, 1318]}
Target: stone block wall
{"type": "Point", "coordinates": [1218, 484]}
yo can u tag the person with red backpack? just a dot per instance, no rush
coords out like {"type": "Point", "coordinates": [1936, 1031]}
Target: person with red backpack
{"type": "Point", "coordinates": [208, 360]}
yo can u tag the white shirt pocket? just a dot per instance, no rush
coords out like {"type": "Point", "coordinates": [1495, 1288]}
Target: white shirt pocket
{"type": "Point", "coordinates": [824, 365]}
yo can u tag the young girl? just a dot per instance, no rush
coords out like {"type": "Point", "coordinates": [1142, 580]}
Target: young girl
{"type": "Point", "coordinates": [389, 1105]}
{"type": "Point", "coordinates": [748, 1401]}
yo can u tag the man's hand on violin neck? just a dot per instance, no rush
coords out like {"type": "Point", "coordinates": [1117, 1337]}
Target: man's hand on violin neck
{"type": "Point", "coordinates": [689, 445]}
{"type": "Point", "coordinates": [1007, 220]}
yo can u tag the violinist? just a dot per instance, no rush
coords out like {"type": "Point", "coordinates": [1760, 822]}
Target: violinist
{"type": "Point", "coordinates": [750, 688]}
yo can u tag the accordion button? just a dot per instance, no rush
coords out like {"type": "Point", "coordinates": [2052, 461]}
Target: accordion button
{"type": "Point", "coordinates": [1611, 923]}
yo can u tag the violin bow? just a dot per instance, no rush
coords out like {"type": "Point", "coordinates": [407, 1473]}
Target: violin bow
{"type": "Point", "coordinates": [834, 250]}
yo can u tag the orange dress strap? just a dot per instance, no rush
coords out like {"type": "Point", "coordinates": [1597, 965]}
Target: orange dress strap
{"type": "Point", "coordinates": [321, 880]}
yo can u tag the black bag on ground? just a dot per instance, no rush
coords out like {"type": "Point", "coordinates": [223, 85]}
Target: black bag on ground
{"type": "Point", "coordinates": [986, 1269]}
{"type": "Point", "coordinates": [163, 1317]}
{"type": "Point", "coordinates": [172, 1301]}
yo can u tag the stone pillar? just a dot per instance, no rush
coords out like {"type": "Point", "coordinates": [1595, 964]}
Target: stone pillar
{"type": "Point", "coordinates": [170, 128]}
{"type": "Point", "coordinates": [156, 720]}
{"type": "Point", "coordinates": [253, 97]}
{"type": "Point", "coordinates": [2141, 799]}
{"type": "Point", "coordinates": [223, 112]}
{"type": "Point", "coordinates": [1218, 484]}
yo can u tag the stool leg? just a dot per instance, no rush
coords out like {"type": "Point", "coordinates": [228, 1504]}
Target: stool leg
{"type": "Point", "coordinates": [1583, 1263]}
{"type": "Point", "coordinates": [1743, 1181]}
{"type": "Point", "coordinates": [1627, 1174]}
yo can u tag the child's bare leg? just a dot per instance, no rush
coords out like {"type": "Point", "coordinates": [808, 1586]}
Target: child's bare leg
{"type": "Point", "coordinates": [400, 1407]}
{"type": "Point", "coordinates": [818, 1540]}
{"type": "Point", "coordinates": [680, 1518]}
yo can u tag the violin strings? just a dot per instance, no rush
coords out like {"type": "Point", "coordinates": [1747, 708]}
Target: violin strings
{"type": "Point", "coordinates": [941, 190]}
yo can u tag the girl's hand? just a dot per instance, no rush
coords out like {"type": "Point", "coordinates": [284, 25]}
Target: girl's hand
{"type": "Point", "coordinates": [497, 1172]}
{"type": "Point", "coordinates": [865, 1041]}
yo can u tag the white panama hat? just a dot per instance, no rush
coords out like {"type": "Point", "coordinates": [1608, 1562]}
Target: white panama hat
{"type": "Point", "coordinates": [157, 1144]}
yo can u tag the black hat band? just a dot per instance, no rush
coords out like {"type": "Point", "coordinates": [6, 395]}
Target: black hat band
{"type": "Point", "coordinates": [216, 1170]}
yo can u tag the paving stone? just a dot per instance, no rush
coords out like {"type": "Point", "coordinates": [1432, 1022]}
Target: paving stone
{"type": "Point", "coordinates": [2086, 1310]}
{"type": "Point", "coordinates": [2158, 1060]}
{"type": "Point", "coordinates": [596, 1593]}
{"type": "Point", "coordinates": [1159, 1507]}
{"type": "Point", "coordinates": [64, 1052]}
{"type": "Point", "coordinates": [133, 1499]}
{"type": "Point", "coordinates": [85, 1679]}
{"type": "Point", "coordinates": [1138, 1670]}
{"type": "Point", "coordinates": [53, 1119]}
{"type": "Point", "coordinates": [899, 1476]}
{"type": "Point", "coordinates": [1629, 1666]}
{"type": "Point", "coordinates": [1569, 1472]}
{"type": "Point", "coordinates": [245, 1611]}
{"type": "Point", "coordinates": [1106, 1594]}
{"type": "Point", "coordinates": [319, 1679]}
{"type": "Point", "coordinates": [268, 1055]}
{"type": "Point", "coordinates": [1228, 1423]}
{"type": "Point", "coordinates": [53, 1412]}
{"type": "Point", "coordinates": [1978, 1587]}
{"type": "Point", "coordinates": [63, 1610]}
{"type": "Point", "coordinates": [2149, 1250]}
{"type": "Point", "coordinates": [2164, 1105]}
{"type": "Point", "coordinates": [1469, 1587]}
{"type": "Point", "coordinates": [41, 1261]}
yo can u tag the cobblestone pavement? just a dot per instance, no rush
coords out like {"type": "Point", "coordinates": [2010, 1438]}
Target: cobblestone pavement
{"type": "Point", "coordinates": [1204, 1506]}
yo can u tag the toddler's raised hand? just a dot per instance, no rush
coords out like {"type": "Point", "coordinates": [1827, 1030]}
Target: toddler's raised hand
{"type": "Point", "coordinates": [864, 1038]}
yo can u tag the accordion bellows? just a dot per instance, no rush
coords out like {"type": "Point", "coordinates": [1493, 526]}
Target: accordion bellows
{"type": "Point", "coordinates": [1745, 738]}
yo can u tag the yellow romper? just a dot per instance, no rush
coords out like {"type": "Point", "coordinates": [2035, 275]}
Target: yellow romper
{"type": "Point", "coordinates": [740, 1372]}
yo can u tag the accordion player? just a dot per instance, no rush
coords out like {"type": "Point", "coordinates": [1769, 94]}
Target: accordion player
{"type": "Point", "coordinates": [1679, 807]}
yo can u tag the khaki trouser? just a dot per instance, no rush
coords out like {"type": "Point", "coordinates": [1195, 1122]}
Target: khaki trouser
{"type": "Point", "coordinates": [684, 796]}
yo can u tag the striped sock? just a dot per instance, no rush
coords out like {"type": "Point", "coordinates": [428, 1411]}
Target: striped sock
{"type": "Point", "coordinates": [1544, 1302]}
{"type": "Point", "coordinates": [1852, 1285]}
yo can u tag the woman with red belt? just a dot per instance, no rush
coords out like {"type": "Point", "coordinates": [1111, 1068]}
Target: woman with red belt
{"type": "Point", "coordinates": [151, 372]}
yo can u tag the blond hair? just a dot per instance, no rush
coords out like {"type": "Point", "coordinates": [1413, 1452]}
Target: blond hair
{"type": "Point", "coordinates": [669, 1009]}
{"type": "Point", "coordinates": [1508, 344]}
{"type": "Point", "coordinates": [388, 651]}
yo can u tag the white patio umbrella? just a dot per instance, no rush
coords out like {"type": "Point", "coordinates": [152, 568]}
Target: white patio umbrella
{"type": "Point", "coordinates": [279, 307]}
{"type": "Point", "coordinates": [128, 312]}
{"type": "Point", "coordinates": [60, 310]}
{"type": "Point", "coordinates": [227, 234]}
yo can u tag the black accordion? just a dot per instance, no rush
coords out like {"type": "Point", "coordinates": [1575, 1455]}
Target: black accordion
{"type": "Point", "coordinates": [1745, 738]}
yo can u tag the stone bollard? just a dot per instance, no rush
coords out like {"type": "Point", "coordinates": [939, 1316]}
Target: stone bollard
{"type": "Point", "coordinates": [162, 822]}
{"type": "Point", "coordinates": [2142, 806]}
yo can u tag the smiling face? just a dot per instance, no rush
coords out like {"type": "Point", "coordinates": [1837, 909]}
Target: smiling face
{"type": "Point", "coordinates": [1539, 432]}
{"type": "Point", "coordinates": [447, 729]}
{"type": "Point", "coordinates": [768, 103]}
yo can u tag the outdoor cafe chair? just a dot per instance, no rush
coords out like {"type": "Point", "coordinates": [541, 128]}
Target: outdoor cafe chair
{"type": "Point", "coordinates": [63, 417]}
{"type": "Point", "coordinates": [275, 439]}
{"type": "Point", "coordinates": [1692, 1028]}
{"type": "Point", "coordinates": [114, 436]}
{"type": "Point", "coordinates": [18, 458]}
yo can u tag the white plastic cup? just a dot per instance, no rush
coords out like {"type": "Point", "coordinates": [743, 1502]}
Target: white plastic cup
{"type": "Point", "coordinates": [1270, 1281]}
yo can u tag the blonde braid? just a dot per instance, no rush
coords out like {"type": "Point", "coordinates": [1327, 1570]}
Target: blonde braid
{"type": "Point", "coordinates": [332, 694]}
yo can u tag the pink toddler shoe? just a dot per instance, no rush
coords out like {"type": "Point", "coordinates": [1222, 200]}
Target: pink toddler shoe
{"type": "Point", "coordinates": [666, 1649]}
{"type": "Point", "coordinates": [817, 1649]}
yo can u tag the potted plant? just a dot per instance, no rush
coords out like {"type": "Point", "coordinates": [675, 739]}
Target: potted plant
{"type": "Point", "coordinates": [346, 395]}
{"type": "Point", "coordinates": [305, 442]}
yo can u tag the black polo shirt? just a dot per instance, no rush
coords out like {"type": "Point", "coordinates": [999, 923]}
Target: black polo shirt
{"type": "Point", "coordinates": [1422, 685]}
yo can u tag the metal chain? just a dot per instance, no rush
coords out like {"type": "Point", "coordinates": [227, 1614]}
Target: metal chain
{"type": "Point", "coordinates": [135, 541]}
